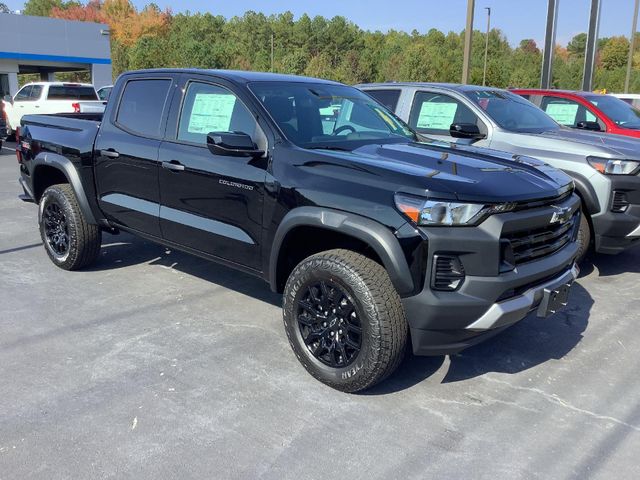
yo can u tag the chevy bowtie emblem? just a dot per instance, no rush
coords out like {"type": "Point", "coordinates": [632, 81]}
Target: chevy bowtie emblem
{"type": "Point", "coordinates": [560, 214]}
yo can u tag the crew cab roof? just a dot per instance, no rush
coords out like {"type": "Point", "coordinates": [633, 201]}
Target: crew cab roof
{"type": "Point", "coordinates": [61, 84]}
{"type": "Point", "coordinates": [551, 91]}
{"type": "Point", "coordinates": [237, 76]}
{"type": "Point", "coordinates": [445, 86]}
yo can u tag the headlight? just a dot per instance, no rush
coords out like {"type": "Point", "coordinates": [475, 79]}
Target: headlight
{"type": "Point", "coordinates": [610, 166]}
{"type": "Point", "coordinates": [444, 212]}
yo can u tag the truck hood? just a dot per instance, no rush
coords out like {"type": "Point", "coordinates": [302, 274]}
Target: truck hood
{"type": "Point", "coordinates": [593, 143]}
{"type": "Point", "coordinates": [464, 173]}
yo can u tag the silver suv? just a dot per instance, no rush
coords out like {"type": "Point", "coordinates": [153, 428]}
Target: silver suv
{"type": "Point", "coordinates": [604, 167]}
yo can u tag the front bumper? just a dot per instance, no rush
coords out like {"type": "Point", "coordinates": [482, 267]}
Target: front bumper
{"type": "Point", "coordinates": [615, 232]}
{"type": "Point", "coordinates": [489, 300]}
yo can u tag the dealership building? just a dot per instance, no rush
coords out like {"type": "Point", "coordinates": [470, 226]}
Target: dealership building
{"type": "Point", "coordinates": [45, 46]}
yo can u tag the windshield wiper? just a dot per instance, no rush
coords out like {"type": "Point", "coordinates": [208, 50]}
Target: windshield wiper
{"type": "Point", "coordinates": [330, 147]}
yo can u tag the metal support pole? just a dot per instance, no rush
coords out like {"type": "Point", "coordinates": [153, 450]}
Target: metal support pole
{"type": "Point", "coordinates": [468, 35]}
{"type": "Point", "coordinates": [549, 44]}
{"type": "Point", "coordinates": [592, 46]}
{"type": "Point", "coordinates": [486, 46]}
{"type": "Point", "coordinates": [632, 45]}
{"type": "Point", "coordinates": [272, 52]}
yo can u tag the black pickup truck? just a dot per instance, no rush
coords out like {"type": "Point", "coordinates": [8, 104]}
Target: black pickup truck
{"type": "Point", "coordinates": [376, 238]}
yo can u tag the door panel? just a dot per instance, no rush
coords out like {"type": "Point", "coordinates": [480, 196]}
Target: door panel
{"type": "Point", "coordinates": [213, 204]}
{"type": "Point", "coordinates": [127, 166]}
{"type": "Point", "coordinates": [128, 190]}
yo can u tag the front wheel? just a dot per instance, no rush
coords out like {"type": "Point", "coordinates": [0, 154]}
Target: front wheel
{"type": "Point", "coordinates": [584, 237]}
{"type": "Point", "coordinates": [69, 240]}
{"type": "Point", "coordinates": [344, 320]}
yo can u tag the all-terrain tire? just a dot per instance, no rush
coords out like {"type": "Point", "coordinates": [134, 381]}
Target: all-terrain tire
{"type": "Point", "coordinates": [375, 306]}
{"type": "Point", "coordinates": [584, 237]}
{"type": "Point", "coordinates": [82, 238]}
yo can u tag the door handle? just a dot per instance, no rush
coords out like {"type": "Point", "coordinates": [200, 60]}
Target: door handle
{"type": "Point", "coordinates": [109, 153]}
{"type": "Point", "coordinates": [174, 165]}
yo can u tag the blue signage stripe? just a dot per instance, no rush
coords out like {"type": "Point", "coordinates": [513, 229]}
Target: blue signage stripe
{"type": "Point", "coordinates": [54, 58]}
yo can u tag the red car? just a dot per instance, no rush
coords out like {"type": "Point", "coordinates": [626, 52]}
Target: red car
{"type": "Point", "coordinates": [586, 110]}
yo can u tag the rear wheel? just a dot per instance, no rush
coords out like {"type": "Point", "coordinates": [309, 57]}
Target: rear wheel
{"type": "Point", "coordinates": [344, 320]}
{"type": "Point", "coordinates": [69, 240]}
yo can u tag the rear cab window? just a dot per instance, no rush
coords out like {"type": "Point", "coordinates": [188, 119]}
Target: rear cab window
{"type": "Point", "coordinates": [142, 106]}
{"type": "Point", "coordinates": [71, 92]}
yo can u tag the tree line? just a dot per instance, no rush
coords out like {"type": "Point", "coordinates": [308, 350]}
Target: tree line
{"type": "Point", "coordinates": [333, 48]}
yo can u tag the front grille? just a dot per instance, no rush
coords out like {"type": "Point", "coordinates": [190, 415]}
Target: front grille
{"type": "Point", "coordinates": [532, 244]}
{"type": "Point", "coordinates": [529, 204]}
{"type": "Point", "coordinates": [620, 202]}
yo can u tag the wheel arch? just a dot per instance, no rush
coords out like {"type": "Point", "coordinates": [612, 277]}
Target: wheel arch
{"type": "Point", "coordinates": [378, 241]}
{"type": "Point", "coordinates": [586, 193]}
{"type": "Point", "coordinates": [49, 169]}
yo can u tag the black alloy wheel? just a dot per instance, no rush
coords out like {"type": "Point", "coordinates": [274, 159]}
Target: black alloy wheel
{"type": "Point", "coordinates": [69, 240]}
{"type": "Point", "coordinates": [344, 319]}
{"type": "Point", "coordinates": [56, 229]}
{"type": "Point", "coordinates": [329, 324]}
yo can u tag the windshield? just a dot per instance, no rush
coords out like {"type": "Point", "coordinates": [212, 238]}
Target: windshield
{"type": "Point", "coordinates": [329, 116]}
{"type": "Point", "coordinates": [512, 112]}
{"type": "Point", "coordinates": [619, 111]}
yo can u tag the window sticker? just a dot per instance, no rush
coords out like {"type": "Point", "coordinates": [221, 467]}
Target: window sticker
{"type": "Point", "coordinates": [211, 112]}
{"type": "Point", "coordinates": [563, 113]}
{"type": "Point", "coordinates": [437, 115]}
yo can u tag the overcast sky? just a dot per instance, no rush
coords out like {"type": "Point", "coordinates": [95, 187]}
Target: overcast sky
{"type": "Point", "coordinates": [518, 19]}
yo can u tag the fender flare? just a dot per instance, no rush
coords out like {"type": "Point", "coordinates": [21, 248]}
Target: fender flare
{"type": "Point", "coordinates": [374, 234]}
{"type": "Point", "coordinates": [68, 168]}
{"type": "Point", "coordinates": [586, 192]}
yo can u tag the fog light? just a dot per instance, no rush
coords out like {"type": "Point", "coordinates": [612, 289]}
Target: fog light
{"type": "Point", "coordinates": [620, 202]}
{"type": "Point", "coordinates": [447, 274]}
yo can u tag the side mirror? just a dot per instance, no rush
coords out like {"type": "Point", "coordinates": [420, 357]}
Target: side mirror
{"type": "Point", "coordinates": [8, 99]}
{"type": "Point", "coordinates": [466, 130]}
{"type": "Point", "coordinates": [592, 126]}
{"type": "Point", "coordinates": [232, 144]}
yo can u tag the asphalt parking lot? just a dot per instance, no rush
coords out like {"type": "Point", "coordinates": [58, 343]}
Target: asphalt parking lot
{"type": "Point", "coordinates": [157, 365]}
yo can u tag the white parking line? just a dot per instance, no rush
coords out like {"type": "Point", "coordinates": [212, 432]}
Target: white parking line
{"type": "Point", "coordinates": [10, 149]}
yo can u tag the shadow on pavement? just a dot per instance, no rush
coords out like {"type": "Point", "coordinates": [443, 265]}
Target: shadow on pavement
{"type": "Point", "coordinates": [17, 249]}
{"type": "Point", "coordinates": [528, 343]}
{"type": "Point", "coordinates": [124, 250]}
{"type": "Point", "coordinates": [610, 265]}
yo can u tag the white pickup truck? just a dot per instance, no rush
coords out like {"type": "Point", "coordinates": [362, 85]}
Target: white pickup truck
{"type": "Point", "coordinates": [50, 97]}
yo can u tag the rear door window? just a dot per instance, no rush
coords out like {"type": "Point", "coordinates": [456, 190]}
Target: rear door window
{"type": "Point", "coordinates": [142, 106]}
{"type": "Point", "coordinates": [389, 98]}
{"type": "Point", "coordinates": [36, 92]}
{"type": "Point", "coordinates": [434, 113]}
